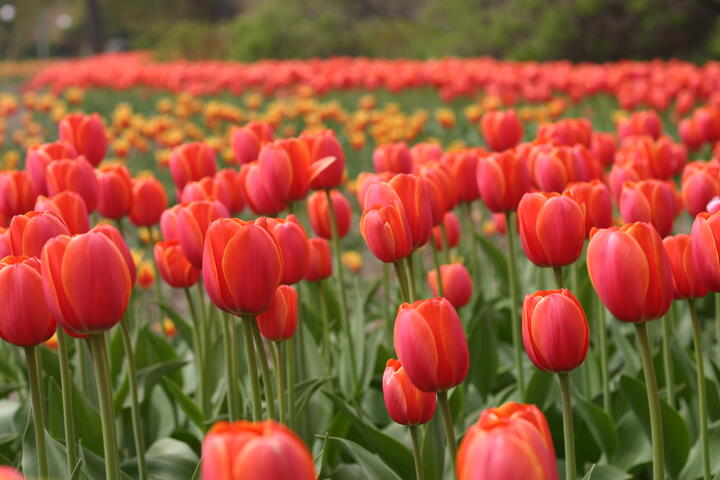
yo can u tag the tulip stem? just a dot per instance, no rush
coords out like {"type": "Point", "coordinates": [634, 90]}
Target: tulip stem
{"type": "Point", "coordinates": [472, 244]}
{"type": "Point", "coordinates": [252, 366]}
{"type": "Point", "coordinates": [417, 451]}
{"type": "Point", "coordinates": [290, 372]}
{"type": "Point", "coordinates": [442, 397]}
{"type": "Point", "coordinates": [134, 404]}
{"type": "Point", "coordinates": [386, 304]}
{"type": "Point", "coordinates": [717, 323]}
{"type": "Point", "coordinates": [36, 397]}
{"type": "Point", "coordinates": [67, 399]}
{"type": "Point", "coordinates": [326, 327]}
{"type": "Point", "coordinates": [568, 430]}
{"type": "Point", "coordinates": [653, 401]}
{"type": "Point", "coordinates": [199, 354]}
{"type": "Point", "coordinates": [514, 301]}
{"type": "Point", "coordinates": [446, 244]}
{"type": "Point", "coordinates": [280, 376]}
{"type": "Point", "coordinates": [602, 346]}
{"type": "Point", "coordinates": [436, 259]}
{"type": "Point", "coordinates": [231, 367]}
{"type": "Point", "coordinates": [265, 367]}
{"type": "Point", "coordinates": [335, 239]}
{"type": "Point", "coordinates": [98, 349]}
{"type": "Point", "coordinates": [667, 357]}
{"type": "Point", "coordinates": [82, 364]}
{"type": "Point", "coordinates": [558, 277]}
{"type": "Point", "coordinates": [402, 279]}
{"type": "Point", "coordinates": [411, 278]}
{"type": "Point", "coordinates": [702, 389]}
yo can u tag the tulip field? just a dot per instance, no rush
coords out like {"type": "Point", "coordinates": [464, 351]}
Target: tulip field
{"type": "Point", "coordinates": [359, 269]}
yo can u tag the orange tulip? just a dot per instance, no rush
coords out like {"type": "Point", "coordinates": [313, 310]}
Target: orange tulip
{"type": "Point", "coordinates": [174, 266]}
{"type": "Point", "coordinates": [76, 175]}
{"type": "Point", "coordinates": [328, 160]}
{"type": "Point", "coordinates": [456, 283]}
{"type": "Point", "coordinates": [293, 243]}
{"type": "Point", "coordinates": [502, 181]}
{"type": "Point", "coordinates": [384, 225]}
{"type": "Point", "coordinates": [594, 196]}
{"type": "Point", "coordinates": [393, 157]}
{"type": "Point", "coordinates": [319, 260]}
{"type": "Point", "coordinates": [651, 201]}
{"type": "Point", "coordinates": [501, 130]}
{"type": "Point", "coordinates": [190, 162]}
{"type": "Point", "coordinates": [318, 211]}
{"type": "Point", "coordinates": [38, 159]}
{"type": "Point", "coordinates": [279, 321]}
{"type": "Point", "coordinates": [17, 194]}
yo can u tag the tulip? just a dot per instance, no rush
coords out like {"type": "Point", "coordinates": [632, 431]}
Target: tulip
{"type": "Point", "coordinates": [4, 243]}
{"type": "Point", "coordinates": [651, 201]}
{"type": "Point", "coordinates": [690, 133]}
{"type": "Point", "coordinates": [552, 229]}
{"type": "Point", "coordinates": [686, 282]}
{"type": "Point", "coordinates": [441, 188]}
{"type": "Point", "coordinates": [70, 207]}
{"type": "Point", "coordinates": [255, 451]}
{"type": "Point", "coordinates": [29, 233]}
{"type": "Point", "coordinates": [700, 184]}
{"type": "Point", "coordinates": [300, 161]}
{"type": "Point", "coordinates": [174, 266]}
{"type": "Point", "coordinates": [393, 157]}
{"type": "Point", "coordinates": [705, 239]}
{"type": "Point", "coordinates": [425, 153]}
{"type": "Point", "coordinates": [114, 191]}
{"type": "Point", "coordinates": [319, 260]}
{"type": "Point", "coordinates": [595, 198]}
{"type": "Point", "coordinates": [511, 442]}
{"type": "Point", "coordinates": [37, 160]}
{"type": "Point", "coordinates": [365, 179]}
{"type": "Point", "coordinates": [229, 180]}
{"type": "Point", "coordinates": [463, 166]}
{"type": "Point", "coordinates": [457, 284]}
{"type": "Point", "coordinates": [451, 227]}
{"type": "Point", "coordinates": [568, 132]}
{"type": "Point", "coordinates": [501, 130]}
{"type": "Point", "coordinates": [603, 147]}
{"type": "Point", "coordinates": [260, 198]}
{"type": "Point", "coordinates": [502, 181]}
{"type": "Point", "coordinates": [278, 322]}
{"type": "Point", "coordinates": [193, 220]}
{"type": "Point", "coordinates": [76, 175]}
{"type": "Point", "coordinates": [190, 162]}
{"type": "Point", "coordinates": [624, 171]}
{"type": "Point", "coordinates": [168, 223]}
{"type": "Point", "coordinates": [145, 275]}
{"type": "Point", "coordinates": [9, 473]}
{"type": "Point", "coordinates": [17, 194]}
{"type": "Point", "coordinates": [293, 243]}
{"type": "Point", "coordinates": [641, 123]}
{"type": "Point", "coordinates": [87, 134]}
{"type": "Point", "coordinates": [384, 225]}
{"type": "Point", "coordinates": [246, 140]}
{"type": "Point", "coordinates": [404, 402]}
{"type": "Point", "coordinates": [414, 196]}
{"type": "Point", "coordinates": [328, 160]}
{"type": "Point", "coordinates": [317, 208]}
{"type": "Point", "coordinates": [209, 188]}
{"type": "Point", "coordinates": [148, 202]}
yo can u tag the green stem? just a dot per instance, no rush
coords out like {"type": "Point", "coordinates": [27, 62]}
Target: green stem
{"type": "Point", "coordinates": [230, 346]}
{"type": "Point", "coordinates": [472, 244]}
{"type": "Point", "coordinates": [98, 348]}
{"type": "Point", "coordinates": [514, 301]}
{"type": "Point", "coordinates": [436, 260]}
{"type": "Point", "coordinates": [252, 366]}
{"type": "Point", "coordinates": [335, 239]}
{"type": "Point", "coordinates": [411, 278]}
{"type": "Point", "coordinates": [402, 280]}
{"type": "Point", "coordinates": [36, 396]}
{"type": "Point", "coordinates": [446, 244]}
{"type": "Point", "coordinates": [82, 365]}
{"type": "Point", "coordinates": [653, 401]}
{"type": "Point", "coordinates": [447, 423]}
{"type": "Point", "coordinates": [568, 431]}
{"type": "Point", "coordinates": [202, 396]}
{"type": "Point", "coordinates": [67, 398]}
{"type": "Point", "coordinates": [717, 323]}
{"type": "Point", "coordinates": [667, 357]}
{"type": "Point", "coordinates": [387, 315]}
{"type": "Point", "coordinates": [134, 403]}
{"type": "Point", "coordinates": [326, 326]}
{"type": "Point", "coordinates": [602, 346]}
{"type": "Point", "coordinates": [280, 376]}
{"type": "Point", "coordinates": [557, 271]}
{"type": "Point", "coordinates": [417, 451]}
{"type": "Point", "coordinates": [702, 389]}
{"type": "Point", "coordinates": [265, 367]}
{"type": "Point", "coordinates": [121, 227]}
{"type": "Point", "coordinates": [289, 356]}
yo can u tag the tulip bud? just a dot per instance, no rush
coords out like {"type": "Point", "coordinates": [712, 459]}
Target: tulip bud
{"type": "Point", "coordinates": [501, 130]}
{"type": "Point", "coordinates": [242, 266]}
{"type": "Point", "coordinates": [260, 198]}
{"type": "Point", "coordinates": [114, 191]}
{"type": "Point", "coordinates": [441, 189]}
{"type": "Point", "coordinates": [384, 225]}
{"type": "Point", "coordinates": [278, 322]}
{"type": "Point", "coordinates": [255, 451]}
{"type": "Point", "coordinates": [511, 442]}
{"type": "Point", "coordinates": [552, 229]}
{"type": "Point", "coordinates": [555, 330]}
{"type": "Point", "coordinates": [430, 343]}
{"type": "Point", "coordinates": [86, 282]}
{"type": "Point", "coordinates": [651, 201]}
{"type": "Point", "coordinates": [452, 228]}
{"type": "Point", "coordinates": [293, 243]}
{"type": "Point", "coordinates": [87, 134]}
{"type": "Point", "coordinates": [502, 181]}
{"type": "Point", "coordinates": [457, 284]}
{"type": "Point", "coordinates": [174, 266]}
{"type": "Point", "coordinates": [641, 123]}
{"type": "Point", "coordinates": [190, 162]}
{"type": "Point", "coordinates": [193, 220]}
{"type": "Point", "coordinates": [317, 208]}
{"type": "Point", "coordinates": [26, 319]}
{"type": "Point", "coordinates": [630, 271]}
{"type": "Point", "coordinates": [76, 175]}
{"type": "Point", "coordinates": [29, 233]}
{"type": "Point", "coordinates": [404, 402]}
{"type": "Point", "coordinates": [229, 180]}
{"type": "Point", "coordinates": [300, 161]}
{"type": "Point", "coordinates": [685, 279]}
{"type": "Point", "coordinates": [319, 260]}
{"type": "Point", "coordinates": [149, 200]}
{"type": "Point", "coordinates": [595, 198]}
{"type": "Point", "coordinates": [393, 157]}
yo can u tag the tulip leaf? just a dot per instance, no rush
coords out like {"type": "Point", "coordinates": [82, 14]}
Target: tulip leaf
{"type": "Point", "coordinates": [538, 389]}
{"type": "Point", "coordinates": [57, 465]}
{"type": "Point", "coordinates": [433, 448]}
{"type": "Point", "coordinates": [497, 259]}
{"type": "Point", "coordinates": [149, 376]}
{"type": "Point", "coordinates": [599, 424]}
{"type": "Point", "coordinates": [189, 407]}
{"type": "Point", "coordinates": [694, 467]}
{"type": "Point", "coordinates": [181, 324]}
{"type": "Point", "coordinates": [675, 432]}
{"type": "Point", "coordinates": [606, 472]}
{"type": "Point", "coordinates": [483, 351]}
{"type": "Point", "coordinates": [372, 466]}
{"type": "Point", "coordinates": [167, 458]}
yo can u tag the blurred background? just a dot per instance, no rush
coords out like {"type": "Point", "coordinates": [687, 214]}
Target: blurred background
{"type": "Point", "coordinates": [577, 30]}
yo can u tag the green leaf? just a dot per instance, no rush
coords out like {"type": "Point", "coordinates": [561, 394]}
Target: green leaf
{"type": "Point", "coordinates": [433, 448]}
{"type": "Point", "coordinates": [149, 376]}
{"type": "Point", "coordinates": [497, 259]}
{"type": "Point", "coordinates": [606, 472]}
{"type": "Point", "coordinates": [482, 343]}
{"type": "Point", "coordinates": [676, 434]}
{"type": "Point", "coordinates": [372, 465]}
{"type": "Point", "coordinates": [694, 467]}
{"type": "Point", "coordinates": [189, 407]}
{"type": "Point", "coordinates": [538, 389]}
{"type": "Point", "coordinates": [633, 449]}
{"type": "Point", "coordinates": [167, 458]}
{"type": "Point", "coordinates": [601, 426]}
{"type": "Point", "coordinates": [57, 466]}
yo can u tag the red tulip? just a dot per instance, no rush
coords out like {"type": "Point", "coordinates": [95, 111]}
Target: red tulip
{"type": "Point", "coordinates": [404, 402]}
{"type": "Point", "coordinates": [293, 243]}
{"type": "Point", "coordinates": [706, 259]}
{"type": "Point", "coordinates": [430, 343]}
{"type": "Point", "coordinates": [70, 207]}
{"type": "Point", "coordinates": [502, 181]}
{"type": "Point", "coordinates": [246, 141]}
{"type": "Point", "coordinates": [456, 282]}
{"type": "Point", "coordinates": [630, 271]}
{"type": "Point", "coordinates": [260, 198]}
{"type": "Point", "coordinates": [651, 201]}
{"type": "Point", "coordinates": [567, 132]}
{"type": "Point", "coordinates": [552, 229]}
{"type": "Point", "coordinates": [318, 212]}
{"type": "Point", "coordinates": [365, 179]}
{"type": "Point", "coordinates": [4, 243]}
{"type": "Point", "coordinates": [242, 266]}
{"type": "Point", "coordinates": [501, 129]}
{"type": "Point", "coordinates": [463, 166]}
{"type": "Point", "coordinates": [423, 153]}
{"type": "Point", "coordinates": [441, 189]}
{"type": "Point", "coordinates": [700, 183]}
{"type": "Point", "coordinates": [29, 233]}
{"type": "Point", "coordinates": [26, 320]}
{"type": "Point", "coordinates": [191, 161]}
{"type": "Point", "coordinates": [319, 260]}
{"type": "Point", "coordinates": [114, 191]}
{"type": "Point", "coordinates": [594, 196]}
{"type": "Point", "coordinates": [255, 451]}
{"type": "Point", "coordinates": [414, 195]}
{"type": "Point", "coordinates": [87, 134]}
{"type": "Point", "coordinates": [691, 134]}
{"type": "Point", "coordinates": [149, 201]}
{"type": "Point", "coordinates": [193, 220]}
{"type": "Point", "coordinates": [555, 330]}
{"type": "Point", "coordinates": [393, 157]}
{"type": "Point", "coordinates": [279, 321]}
{"type": "Point", "coordinates": [76, 175]}
{"type": "Point", "coordinates": [603, 146]}
{"type": "Point", "coordinates": [208, 188]}
{"type": "Point", "coordinates": [641, 123]}
{"type": "Point", "coordinates": [86, 281]}
{"type": "Point", "coordinates": [554, 168]}
{"type": "Point", "coordinates": [228, 180]}
{"type": "Point", "coordinates": [114, 235]}
{"type": "Point", "coordinates": [511, 442]}
{"type": "Point", "coordinates": [685, 280]}
{"type": "Point", "coordinates": [17, 194]}
{"type": "Point", "coordinates": [300, 161]}
{"type": "Point", "coordinates": [452, 228]}
{"type": "Point", "coordinates": [328, 160]}
{"type": "Point", "coordinates": [37, 160]}
{"type": "Point", "coordinates": [9, 473]}
{"type": "Point", "coordinates": [384, 225]}
{"type": "Point", "coordinates": [174, 266]}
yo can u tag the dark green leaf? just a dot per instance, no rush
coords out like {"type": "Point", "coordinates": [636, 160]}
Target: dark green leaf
{"type": "Point", "coordinates": [373, 467]}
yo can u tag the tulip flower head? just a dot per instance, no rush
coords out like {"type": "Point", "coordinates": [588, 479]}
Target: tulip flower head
{"type": "Point", "coordinates": [406, 404]}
